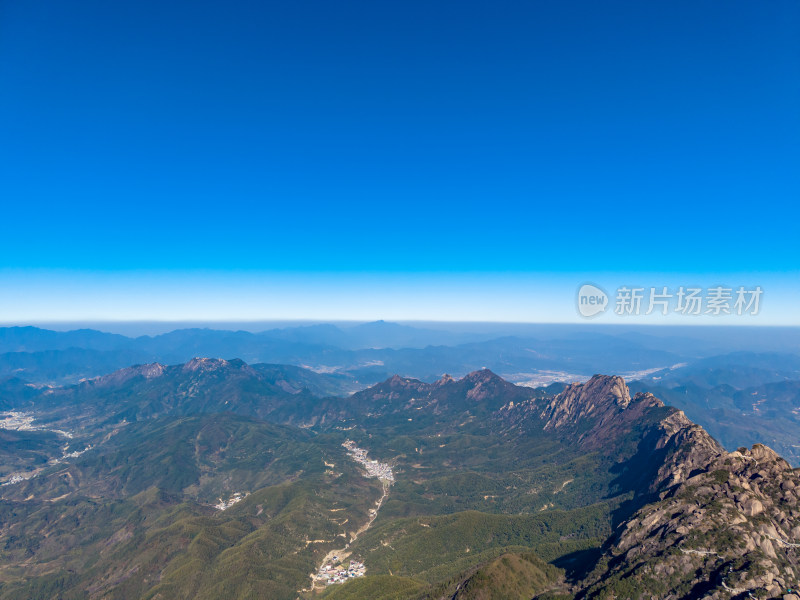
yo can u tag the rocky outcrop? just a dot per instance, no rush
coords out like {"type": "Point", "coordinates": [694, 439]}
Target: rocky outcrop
{"type": "Point", "coordinates": [599, 398]}
{"type": "Point", "coordinates": [600, 415]}
{"type": "Point", "coordinates": [596, 412]}
{"type": "Point", "coordinates": [445, 380]}
{"type": "Point", "coordinates": [686, 448]}
{"type": "Point", "coordinates": [148, 371]}
{"type": "Point", "coordinates": [703, 522]}
{"type": "Point", "coordinates": [730, 529]}
{"type": "Point", "coordinates": [210, 365]}
{"type": "Point", "coordinates": [484, 385]}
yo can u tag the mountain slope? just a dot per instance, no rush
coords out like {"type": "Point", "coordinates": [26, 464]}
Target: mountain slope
{"type": "Point", "coordinates": [729, 530]}
{"type": "Point", "coordinates": [768, 413]}
{"type": "Point", "coordinates": [692, 495]}
{"type": "Point", "coordinates": [135, 516]}
{"type": "Point", "coordinates": [200, 386]}
{"type": "Point", "coordinates": [626, 495]}
{"type": "Point", "coordinates": [511, 576]}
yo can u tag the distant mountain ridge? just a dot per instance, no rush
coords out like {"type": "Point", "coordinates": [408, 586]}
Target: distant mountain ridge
{"type": "Point", "coordinates": [741, 398]}
{"type": "Point", "coordinates": [367, 353]}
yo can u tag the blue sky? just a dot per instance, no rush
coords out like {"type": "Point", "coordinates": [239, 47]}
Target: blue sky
{"type": "Point", "coordinates": [187, 150]}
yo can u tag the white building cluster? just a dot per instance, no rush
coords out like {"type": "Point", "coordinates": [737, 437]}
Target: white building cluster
{"type": "Point", "coordinates": [336, 572]}
{"type": "Point", "coordinates": [373, 468]}
{"type": "Point", "coordinates": [20, 477]}
{"type": "Point", "coordinates": [23, 421]}
{"type": "Point", "coordinates": [237, 497]}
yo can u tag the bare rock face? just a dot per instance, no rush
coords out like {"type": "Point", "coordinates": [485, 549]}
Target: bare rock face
{"type": "Point", "coordinates": [729, 529]}
{"type": "Point", "coordinates": [205, 365]}
{"type": "Point", "coordinates": [687, 448]}
{"type": "Point", "coordinates": [394, 389]}
{"type": "Point", "coordinates": [484, 384]}
{"type": "Point", "coordinates": [710, 524]}
{"type": "Point", "coordinates": [598, 413]}
{"type": "Point", "coordinates": [599, 397]}
{"type": "Point", "coordinates": [149, 371]}
{"type": "Point", "coordinates": [445, 380]}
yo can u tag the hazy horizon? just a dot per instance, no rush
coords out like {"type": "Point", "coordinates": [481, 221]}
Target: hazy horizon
{"type": "Point", "coordinates": [60, 296]}
{"type": "Point", "coordinates": [132, 328]}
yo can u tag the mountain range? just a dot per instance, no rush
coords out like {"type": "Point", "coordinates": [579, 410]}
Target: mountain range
{"type": "Point", "coordinates": [724, 380]}
{"type": "Point", "coordinates": [219, 479]}
{"type": "Point", "coordinates": [371, 352]}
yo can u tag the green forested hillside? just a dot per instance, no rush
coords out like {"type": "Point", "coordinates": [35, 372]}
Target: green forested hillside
{"type": "Point", "coordinates": [512, 576]}
{"type": "Point", "coordinates": [439, 547]}
{"type": "Point", "coordinates": [135, 518]}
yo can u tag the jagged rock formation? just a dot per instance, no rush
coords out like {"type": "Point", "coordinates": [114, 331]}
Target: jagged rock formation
{"type": "Point", "coordinates": [708, 523]}
{"type": "Point", "coordinates": [148, 371]}
{"type": "Point", "coordinates": [652, 445]}
{"type": "Point", "coordinates": [729, 530]}
{"type": "Point", "coordinates": [601, 398]}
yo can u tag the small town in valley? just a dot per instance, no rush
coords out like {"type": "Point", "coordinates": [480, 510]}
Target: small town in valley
{"type": "Point", "coordinates": [335, 568]}
{"type": "Point", "coordinates": [226, 504]}
{"type": "Point", "coordinates": [23, 421]}
{"type": "Point", "coordinates": [336, 571]}
{"type": "Point", "coordinates": [374, 468]}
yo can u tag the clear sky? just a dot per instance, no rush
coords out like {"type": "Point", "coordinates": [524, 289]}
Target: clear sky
{"type": "Point", "coordinates": [408, 159]}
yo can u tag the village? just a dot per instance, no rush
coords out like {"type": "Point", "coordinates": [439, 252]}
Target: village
{"type": "Point", "coordinates": [20, 477]}
{"type": "Point", "coordinates": [333, 569]}
{"type": "Point", "coordinates": [374, 468]}
{"type": "Point", "coordinates": [336, 572]}
{"type": "Point", "coordinates": [226, 504]}
{"type": "Point", "coordinates": [23, 421]}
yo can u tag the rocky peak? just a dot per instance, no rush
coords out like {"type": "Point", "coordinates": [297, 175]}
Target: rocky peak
{"type": "Point", "coordinates": [481, 376]}
{"type": "Point", "coordinates": [481, 391]}
{"type": "Point", "coordinates": [731, 528]}
{"type": "Point", "coordinates": [395, 382]}
{"type": "Point", "coordinates": [647, 398]}
{"type": "Point", "coordinates": [687, 448]}
{"type": "Point", "coordinates": [601, 396]}
{"type": "Point", "coordinates": [152, 370]}
{"type": "Point", "coordinates": [204, 365]}
{"type": "Point", "coordinates": [599, 413]}
{"type": "Point", "coordinates": [393, 389]}
{"type": "Point", "coordinates": [595, 412]}
{"type": "Point", "coordinates": [445, 380]}
{"type": "Point", "coordinates": [484, 385]}
{"type": "Point", "coordinates": [761, 454]}
{"type": "Point", "coordinates": [611, 388]}
{"type": "Point", "coordinates": [148, 371]}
